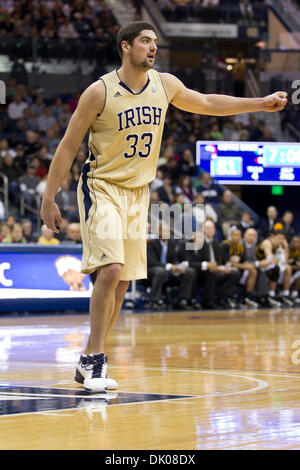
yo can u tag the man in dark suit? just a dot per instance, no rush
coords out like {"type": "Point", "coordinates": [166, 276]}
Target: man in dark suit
{"type": "Point", "coordinates": [164, 267]}
{"type": "Point", "coordinates": [210, 273]}
{"type": "Point", "coordinates": [267, 225]}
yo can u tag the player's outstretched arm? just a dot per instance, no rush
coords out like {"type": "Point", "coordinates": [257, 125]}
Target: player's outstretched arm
{"type": "Point", "coordinates": [218, 105]}
{"type": "Point", "coordinates": [90, 104]}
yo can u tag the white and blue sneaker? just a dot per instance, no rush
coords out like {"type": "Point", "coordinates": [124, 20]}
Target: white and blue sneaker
{"type": "Point", "coordinates": [91, 371]}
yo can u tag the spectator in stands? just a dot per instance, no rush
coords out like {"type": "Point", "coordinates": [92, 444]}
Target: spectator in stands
{"type": "Point", "coordinates": [164, 266]}
{"type": "Point", "coordinates": [57, 107]}
{"type": "Point", "coordinates": [32, 144]}
{"type": "Point", "coordinates": [27, 231]}
{"type": "Point", "coordinates": [15, 235]}
{"type": "Point", "coordinates": [225, 277]}
{"type": "Point", "coordinates": [47, 237]}
{"type": "Point", "coordinates": [171, 168]}
{"type": "Point", "coordinates": [67, 201]}
{"type": "Point", "coordinates": [157, 182]}
{"type": "Point", "coordinates": [209, 212]}
{"type": "Point", "coordinates": [215, 133]}
{"type": "Point", "coordinates": [67, 30]}
{"type": "Point", "coordinates": [245, 222]}
{"type": "Point", "coordinates": [187, 164]}
{"type": "Point", "coordinates": [45, 121]}
{"type": "Point", "coordinates": [52, 140]}
{"type": "Point", "coordinates": [37, 107]}
{"type": "Point", "coordinates": [229, 213]}
{"type": "Point", "coordinates": [64, 117]}
{"type": "Point", "coordinates": [208, 189]}
{"type": "Point", "coordinates": [27, 121]}
{"type": "Point", "coordinates": [15, 109]}
{"type": "Point", "coordinates": [165, 191]}
{"type": "Point", "coordinates": [4, 231]}
{"type": "Point", "coordinates": [5, 149]}
{"type": "Point", "coordinates": [288, 225]}
{"type": "Point", "coordinates": [65, 95]}
{"type": "Point", "coordinates": [73, 234]}
{"type": "Point", "coordinates": [10, 220]}
{"type": "Point", "coordinates": [267, 225]}
{"type": "Point", "coordinates": [28, 184]}
{"type": "Point", "coordinates": [233, 253]}
{"type": "Point", "coordinates": [185, 187]}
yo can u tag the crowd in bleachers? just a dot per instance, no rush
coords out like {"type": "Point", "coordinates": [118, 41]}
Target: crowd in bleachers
{"type": "Point", "coordinates": [55, 25]}
{"type": "Point", "coordinates": [214, 11]}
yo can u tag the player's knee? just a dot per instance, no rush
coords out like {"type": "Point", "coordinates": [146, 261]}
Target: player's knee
{"type": "Point", "coordinates": [110, 274]}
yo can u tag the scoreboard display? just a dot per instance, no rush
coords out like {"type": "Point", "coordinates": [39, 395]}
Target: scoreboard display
{"type": "Point", "coordinates": [250, 162]}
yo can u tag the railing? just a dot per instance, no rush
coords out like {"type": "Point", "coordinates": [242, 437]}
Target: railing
{"type": "Point", "coordinates": [5, 191]}
{"type": "Point", "coordinates": [34, 210]}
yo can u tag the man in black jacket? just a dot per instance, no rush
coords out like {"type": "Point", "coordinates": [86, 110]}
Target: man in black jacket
{"type": "Point", "coordinates": [210, 273]}
{"type": "Point", "coordinates": [164, 267]}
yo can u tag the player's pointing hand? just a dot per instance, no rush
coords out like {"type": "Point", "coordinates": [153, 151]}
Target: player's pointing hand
{"type": "Point", "coordinates": [50, 214]}
{"type": "Point", "coordinates": [275, 102]}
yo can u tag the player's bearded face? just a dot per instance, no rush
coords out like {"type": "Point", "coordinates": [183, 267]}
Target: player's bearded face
{"type": "Point", "coordinates": [143, 51]}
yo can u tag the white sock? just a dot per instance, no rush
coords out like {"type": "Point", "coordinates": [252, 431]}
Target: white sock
{"type": "Point", "coordinates": [285, 293]}
{"type": "Point", "coordinates": [271, 293]}
{"type": "Point", "coordinates": [294, 294]}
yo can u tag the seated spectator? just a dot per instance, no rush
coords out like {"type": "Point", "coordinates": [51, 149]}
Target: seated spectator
{"type": "Point", "coordinates": [288, 225]}
{"type": "Point", "coordinates": [157, 182]}
{"type": "Point", "coordinates": [211, 274]}
{"type": "Point", "coordinates": [10, 220]}
{"type": "Point", "coordinates": [5, 149]}
{"type": "Point", "coordinates": [27, 231]}
{"type": "Point", "coordinates": [37, 107]}
{"type": "Point", "coordinates": [64, 117]}
{"type": "Point", "coordinates": [16, 107]}
{"type": "Point", "coordinates": [229, 213]}
{"type": "Point", "coordinates": [57, 107]}
{"type": "Point", "coordinates": [267, 225]}
{"type": "Point", "coordinates": [165, 191]}
{"type": "Point", "coordinates": [75, 174]}
{"type": "Point", "coordinates": [185, 187]}
{"type": "Point", "coordinates": [215, 133]}
{"type": "Point", "coordinates": [210, 190]}
{"type": "Point", "coordinates": [67, 201]}
{"type": "Point", "coordinates": [15, 235]}
{"type": "Point", "coordinates": [164, 266]}
{"type": "Point", "coordinates": [41, 169]}
{"type": "Point", "coordinates": [32, 144]}
{"type": "Point", "coordinates": [233, 255]}
{"type": "Point", "coordinates": [4, 231]}
{"type": "Point", "coordinates": [45, 120]}
{"type": "Point", "coordinates": [28, 184]}
{"type": "Point", "coordinates": [52, 139]}
{"type": "Point", "coordinates": [27, 121]}
{"type": "Point", "coordinates": [171, 168]}
{"type": "Point", "coordinates": [187, 164]}
{"type": "Point", "coordinates": [47, 237]}
{"type": "Point", "coordinates": [245, 222]}
{"type": "Point", "coordinates": [67, 30]}
{"type": "Point", "coordinates": [73, 234]}
{"type": "Point", "coordinates": [209, 212]}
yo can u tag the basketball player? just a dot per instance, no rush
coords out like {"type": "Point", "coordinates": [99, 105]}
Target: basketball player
{"type": "Point", "coordinates": [125, 112]}
{"type": "Point", "coordinates": [273, 255]}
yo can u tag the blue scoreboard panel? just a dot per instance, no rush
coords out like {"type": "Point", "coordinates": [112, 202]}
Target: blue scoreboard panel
{"type": "Point", "coordinates": [250, 162]}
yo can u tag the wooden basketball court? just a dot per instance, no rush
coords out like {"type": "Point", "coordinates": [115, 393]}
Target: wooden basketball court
{"type": "Point", "coordinates": [194, 380]}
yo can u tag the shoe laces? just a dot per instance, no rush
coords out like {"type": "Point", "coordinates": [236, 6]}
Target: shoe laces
{"type": "Point", "coordinates": [95, 362]}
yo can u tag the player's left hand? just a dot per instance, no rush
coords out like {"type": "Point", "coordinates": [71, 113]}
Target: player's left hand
{"type": "Point", "coordinates": [275, 102]}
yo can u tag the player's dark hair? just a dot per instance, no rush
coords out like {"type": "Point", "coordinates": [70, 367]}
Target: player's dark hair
{"type": "Point", "coordinates": [130, 32]}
